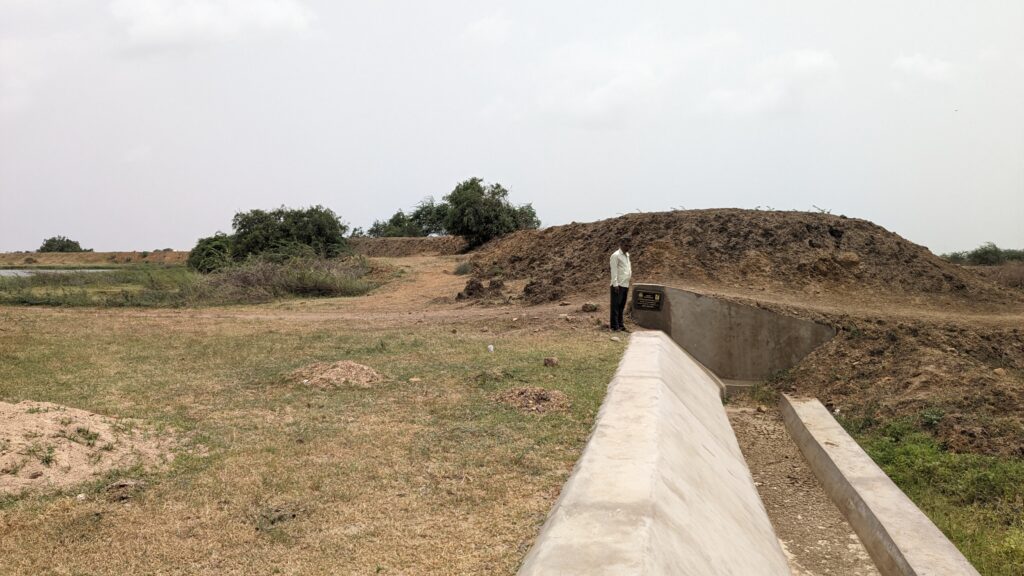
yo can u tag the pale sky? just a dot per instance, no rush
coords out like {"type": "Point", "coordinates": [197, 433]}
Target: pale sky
{"type": "Point", "coordinates": [145, 124]}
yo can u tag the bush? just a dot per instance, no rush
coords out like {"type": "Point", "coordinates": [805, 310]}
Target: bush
{"type": "Point", "coordinates": [428, 218]}
{"type": "Point", "coordinates": [277, 235]}
{"type": "Point", "coordinates": [480, 213]}
{"type": "Point", "coordinates": [61, 244]}
{"type": "Point", "coordinates": [262, 280]}
{"type": "Point", "coordinates": [211, 253]}
{"type": "Point", "coordinates": [278, 231]}
{"type": "Point", "coordinates": [988, 254]}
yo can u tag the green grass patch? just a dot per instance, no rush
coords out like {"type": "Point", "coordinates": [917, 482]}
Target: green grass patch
{"type": "Point", "coordinates": [976, 500]}
{"type": "Point", "coordinates": [176, 286]}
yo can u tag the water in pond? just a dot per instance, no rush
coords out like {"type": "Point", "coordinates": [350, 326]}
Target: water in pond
{"type": "Point", "coordinates": [23, 273]}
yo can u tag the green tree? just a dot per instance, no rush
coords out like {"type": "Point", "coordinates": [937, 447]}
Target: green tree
{"type": "Point", "coordinates": [400, 224]}
{"type": "Point", "coordinates": [211, 253]}
{"type": "Point", "coordinates": [61, 244]}
{"type": "Point", "coordinates": [479, 212]}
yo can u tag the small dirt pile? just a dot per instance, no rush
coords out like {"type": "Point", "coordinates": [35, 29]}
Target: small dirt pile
{"type": "Point", "coordinates": [327, 375]}
{"type": "Point", "coordinates": [402, 247]}
{"type": "Point", "coordinates": [534, 399]}
{"type": "Point", "coordinates": [476, 290]}
{"type": "Point", "coordinates": [964, 383]}
{"type": "Point", "coordinates": [787, 251]}
{"type": "Point", "coordinates": [45, 445]}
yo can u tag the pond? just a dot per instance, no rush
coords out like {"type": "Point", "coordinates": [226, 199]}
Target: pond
{"type": "Point", "coordinates": [25, 272]}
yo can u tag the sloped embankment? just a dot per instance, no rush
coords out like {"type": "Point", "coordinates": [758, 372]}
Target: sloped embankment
{"type": "Point", "coordinates": [776, 251]}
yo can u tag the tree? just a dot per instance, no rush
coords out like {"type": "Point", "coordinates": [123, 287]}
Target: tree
{"type": "Point", "coordinates": [61, 244]}
{"type": "Point", "coordinates": [430, 216]}
{"type": "Point", "coordinates": [400, 224]}
{"type": "Point", "coordinates": [479, 212]}
{"type": "Point", "coordinates": [211, 253]}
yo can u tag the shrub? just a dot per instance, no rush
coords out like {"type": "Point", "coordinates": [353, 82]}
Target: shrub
{"type": "Point", "coordinates": [261, 280]}
{"type": "Point", "coordinates": [211, 253]}
{"type": "Point", "coordinates": [278, 231]}
{"type": "Point", "coordinates": [988, 254]}
{"type": "Point", "coordinates": [61, 244]}
{"type": "Point", "coordinates": [428, 218]}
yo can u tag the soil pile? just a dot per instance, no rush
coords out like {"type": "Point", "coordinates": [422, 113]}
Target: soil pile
{"type": "Point", "coordinates": [534, 399]}
{"type": "Point", "coordinates": [964, 383]}
{"type": "Point", "coordinates": [326, 375]}
{"type": "Point", "coordinates": [784, 251]}
{"type": "Point", "coordinates": [402, 247]}
{"type": "Point", "coordinates": [45, 445]}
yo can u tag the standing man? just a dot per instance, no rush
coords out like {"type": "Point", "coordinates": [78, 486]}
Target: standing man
{"type": "Point", "coordinates": [622, 271]}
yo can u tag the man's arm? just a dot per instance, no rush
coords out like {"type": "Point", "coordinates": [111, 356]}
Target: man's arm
{"type": "Point", "coordinates": [615, 270]}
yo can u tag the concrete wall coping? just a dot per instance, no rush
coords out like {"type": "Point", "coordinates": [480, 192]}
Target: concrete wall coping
{"type": "Point", "coordinates": [898, 536]}
{"type": "Point", "coordinates": [661, 486]}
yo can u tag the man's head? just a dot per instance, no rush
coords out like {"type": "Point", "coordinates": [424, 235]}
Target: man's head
{"type": "Point", "coordinates": [625, 243]}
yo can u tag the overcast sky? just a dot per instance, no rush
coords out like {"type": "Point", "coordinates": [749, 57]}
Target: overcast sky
{"type": "Point", "coordinates": [144, 124]}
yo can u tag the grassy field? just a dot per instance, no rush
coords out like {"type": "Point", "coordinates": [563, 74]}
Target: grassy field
{"type": "Point", "coordinates": [272, 477]}
{"type": "Point", "coordinates": [145, 285]}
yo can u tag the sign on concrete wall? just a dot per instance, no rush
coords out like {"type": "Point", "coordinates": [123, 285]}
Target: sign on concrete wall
{"type": "Point", "coordinates": [647, 299]}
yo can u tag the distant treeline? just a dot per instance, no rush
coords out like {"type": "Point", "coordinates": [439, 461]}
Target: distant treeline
{"type": "Point", "coordinates": [988, 254]}
{"type": "Point", "coordinates": [474, 210]}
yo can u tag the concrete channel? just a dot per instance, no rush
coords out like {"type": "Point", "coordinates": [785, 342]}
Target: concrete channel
{"type": "Point", "coordinates": [662, 486]}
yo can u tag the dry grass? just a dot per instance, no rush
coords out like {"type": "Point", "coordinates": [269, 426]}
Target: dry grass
{"type": "Point", "coordinates": [422, 474]}
{"type": "Point", "coordinates": [90, 259]}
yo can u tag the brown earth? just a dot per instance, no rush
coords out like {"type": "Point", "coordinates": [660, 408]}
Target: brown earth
{"type": "Point", "coordinates": [782, 252]}
{"type": "Point", "coordinates": [47, 446]}
{"type": "Point", "coordinates": [816, 537]}
{"type": "Point", "coordinates": [327, 375]}
{"type": "Point", "coordinates": [534, 399]}
{"type": "Point", "coordinates": [401, 247]}
{"type": "Point", "coordinates": [29, 259]}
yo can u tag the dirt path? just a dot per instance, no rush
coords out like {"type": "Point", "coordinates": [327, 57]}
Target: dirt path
{"type": "Point", "coordinates": [816, 537]}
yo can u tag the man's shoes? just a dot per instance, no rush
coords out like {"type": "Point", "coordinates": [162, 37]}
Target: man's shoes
{"type": "Point", "coordinates": [623, 329]}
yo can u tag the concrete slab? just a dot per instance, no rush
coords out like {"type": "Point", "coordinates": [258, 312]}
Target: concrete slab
{"type": "Point", "coordinates": [661, 487]}
{"type": "Point", "coordinates": [736, 341]}
{"type": "Point", "coordinates": [898, 536]}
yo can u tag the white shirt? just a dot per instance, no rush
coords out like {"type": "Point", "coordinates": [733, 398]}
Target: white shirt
{"type": "Point", "coordinates": [622, 271]}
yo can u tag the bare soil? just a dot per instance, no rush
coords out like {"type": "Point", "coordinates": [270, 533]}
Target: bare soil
{"type": "Point", "coordinates": [814, 534]}
{"type": "Point", "coordinates": [48, 446]}
{"type": "Point", "coordinates": [534, 399]}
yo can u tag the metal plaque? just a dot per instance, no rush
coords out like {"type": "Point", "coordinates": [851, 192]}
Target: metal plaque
{"type": "Point", "coordinates": [647, 300]}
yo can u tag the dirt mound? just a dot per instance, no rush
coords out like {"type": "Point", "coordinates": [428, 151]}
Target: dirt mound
{"type": "Point", "coordinates": [964, 383]}
{"type": "Point", "coordinates": [45, 445]}
{"type": "Point", "coordinates": [534, 399]}
{"type": "Point", "coordinates": [325, 375]}
{"type": "Point", "coordinates": [401, 247]}
{"type": "Point", "coordinates": [780, 251]}
{"type": "Point", "coordinates": [476, 290]}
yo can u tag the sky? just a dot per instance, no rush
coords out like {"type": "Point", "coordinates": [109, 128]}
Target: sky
{"type": "Point", "coordinates": [146, 124]}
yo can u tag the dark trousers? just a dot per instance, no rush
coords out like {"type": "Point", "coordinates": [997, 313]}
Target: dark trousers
{"type": "Point", "coordinates": [618, 307]}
